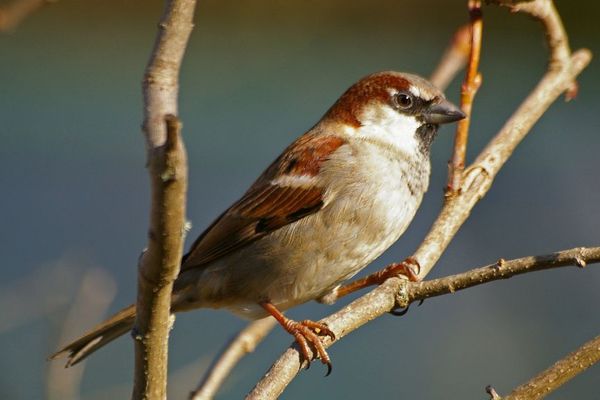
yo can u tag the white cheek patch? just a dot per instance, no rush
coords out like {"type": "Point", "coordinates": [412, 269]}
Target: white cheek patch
{"type": "Point", "coordinates": [383, 123]}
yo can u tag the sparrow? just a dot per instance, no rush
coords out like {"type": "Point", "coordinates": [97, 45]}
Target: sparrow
{"type": "Point", "coordinates": [330, 204]}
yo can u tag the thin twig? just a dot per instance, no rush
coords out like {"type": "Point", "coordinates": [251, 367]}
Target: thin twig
{"type": "Point", "coordinates": [559, 373]}
{"type": "Point", "coordinates": [492, 392]}
{"type": "Point", "coordinates": [502, 269]}
{"type": "Point", "coordinates": [454, 59]}
{"type": "Point", "coordinates": [167, 164]}
{"type": "Point", "coordinates": [477, 181]}
{"type": "Point", "coordinates": [12, 14]}
{"type": "Point", "coordinates": [241, 344]}
{"type": "Point", "coordinates": [467, 95]}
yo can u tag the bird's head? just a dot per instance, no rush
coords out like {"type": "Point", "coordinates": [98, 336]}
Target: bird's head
{"type": "Point", "coordinates": [403, 109]}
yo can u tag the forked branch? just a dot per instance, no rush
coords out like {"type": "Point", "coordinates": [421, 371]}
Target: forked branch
{"type": "Point", "coordinates": [167, 164]}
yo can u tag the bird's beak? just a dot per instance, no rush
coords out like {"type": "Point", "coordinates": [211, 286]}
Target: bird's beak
{"type": "Point", "coordinates": [443, 112]}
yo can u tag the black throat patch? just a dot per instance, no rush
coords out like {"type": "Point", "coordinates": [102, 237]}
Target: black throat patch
{"type": "Point", "coordinates": [426, 133]}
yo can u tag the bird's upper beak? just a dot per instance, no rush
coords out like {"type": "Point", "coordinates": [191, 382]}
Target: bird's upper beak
{"type": "Point", "coordinates": [443, 112]}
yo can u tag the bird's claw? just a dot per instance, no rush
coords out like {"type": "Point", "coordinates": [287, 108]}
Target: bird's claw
{"type": "Point", "coordinates": [308, 331]}
{"type": "Point", "coordinates": [400, 311]}
{"type": "Point", "coordinates": [409, 268]}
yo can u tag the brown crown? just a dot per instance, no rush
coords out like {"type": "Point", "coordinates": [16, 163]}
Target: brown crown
{"type": "Point", "coordinates": [371, 88]}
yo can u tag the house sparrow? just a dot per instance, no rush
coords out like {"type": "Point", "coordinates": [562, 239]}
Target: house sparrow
{"type": "Point", "coordinates": [331, 203]}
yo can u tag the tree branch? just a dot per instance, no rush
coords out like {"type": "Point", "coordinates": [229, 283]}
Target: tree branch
{"type": "Point", "coordinates": [468, 91]}
{"type": "Point", "coordinates": [476, 182]}
{"type": "Point", "coordinates": [167, 164]}
{"type": "Point", "coordinates": [579, 256]}
{"type": "Point", "coordinates": [558, 374]}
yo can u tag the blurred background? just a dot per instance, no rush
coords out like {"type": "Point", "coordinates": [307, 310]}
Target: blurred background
{"type": "Point", "coordinates": [256, 75]}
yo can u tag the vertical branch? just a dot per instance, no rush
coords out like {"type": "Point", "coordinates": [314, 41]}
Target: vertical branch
{"type": "Point", "coordinates": [468, 91]}
{"type": "Point", "coordinates": [167, 164]}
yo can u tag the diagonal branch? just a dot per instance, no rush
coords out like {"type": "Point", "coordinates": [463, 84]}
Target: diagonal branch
{"type": "Point", "coordinates": [558, 374]}
{"type": "Point", "coordinates": [167, 165]}
{"type": "Point", "coordinates": [476, 182]}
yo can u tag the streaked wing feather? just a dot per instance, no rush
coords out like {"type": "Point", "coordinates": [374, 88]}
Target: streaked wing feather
{"type": "Point", "coordinates": [267, 207]}
{"type": "Point", "coordinates": [261, 211]}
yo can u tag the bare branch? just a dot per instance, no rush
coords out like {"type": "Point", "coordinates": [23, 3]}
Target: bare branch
{"type": "Point", "coordinates": [477, 180]}
{"type": "Point", "coordinates": [579, 256]}
{"type": "Point", "coordinates": [167, 163]}
{"type": "Point", "coordinates": [468, 91]}
{"type": "Point", "coordinates": [399, 291]}
{"type": "Point", "coordinates": [241, 344]}
{"type": "Point", "coordinates": [12, 14]}
{"type": "Point", "coordinates": [561, 372]}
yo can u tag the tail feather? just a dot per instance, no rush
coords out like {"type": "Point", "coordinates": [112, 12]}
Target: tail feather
{"type": "Point", "coordinates": [106, 332]}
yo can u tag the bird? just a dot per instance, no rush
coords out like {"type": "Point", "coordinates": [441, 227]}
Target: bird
{"type": "Point", "coordinates": [329, 205]}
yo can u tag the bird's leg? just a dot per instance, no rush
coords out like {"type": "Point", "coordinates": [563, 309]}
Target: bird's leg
{"type": "Point", "coordinates": [404, 268]}
{"type": "Point", "coordinates": [304, 332]}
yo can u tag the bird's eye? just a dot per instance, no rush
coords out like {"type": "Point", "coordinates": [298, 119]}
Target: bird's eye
{"type": "Point", "coordinates": [404, 100]}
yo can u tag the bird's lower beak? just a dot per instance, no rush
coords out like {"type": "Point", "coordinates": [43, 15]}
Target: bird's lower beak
{"type": "Point", "coordinates": [443, 112]}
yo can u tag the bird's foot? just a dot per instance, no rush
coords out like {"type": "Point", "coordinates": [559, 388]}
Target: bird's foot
{"type": "Point", "coordinates": [410, 268]}
{"type": "Point", "coordinates": [305, 333]}
{"type": "Point", "coordinates": [403, 268]}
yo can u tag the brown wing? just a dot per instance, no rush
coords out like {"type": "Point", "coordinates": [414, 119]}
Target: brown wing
{"type": "Point", "coordinates": [266, 207]}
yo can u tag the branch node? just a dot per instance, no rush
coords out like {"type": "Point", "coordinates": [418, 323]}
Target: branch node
{"type": "Point", "coordinates": [402, 296]}
{"type": "Point", "coordinates": [581, 263]}
{"type": "Point", "coordinates": [572, 92]}
{"type": "Point", "coordinates": [492, 392]}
